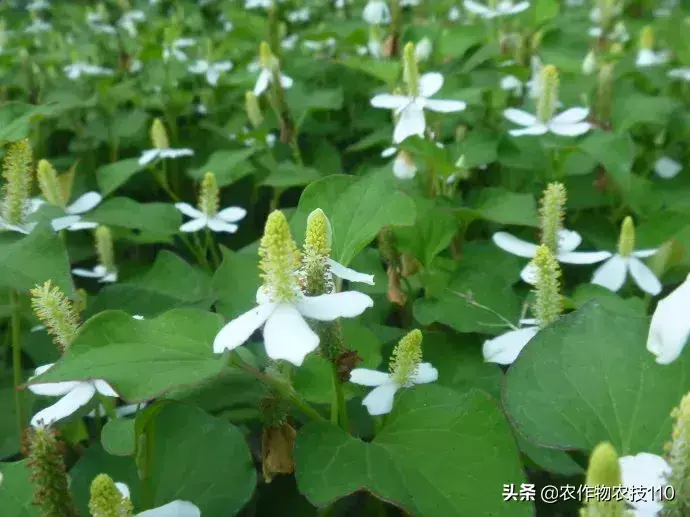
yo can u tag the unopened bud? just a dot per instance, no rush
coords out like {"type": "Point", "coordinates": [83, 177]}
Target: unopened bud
{"type": "Point", "coordinates": [647, 38]}
{"type": "Point", "coordinates": [548, 93]}
{"type": "Point", "coordinates": [266, 57]}
{"type": "Point", "coordinates": [604, 92]}
{"type": "Point", "coordinates": [626, 240]}
{"type": "Point", "coordinates": [410, 70]}
{"type": "Point", "coordinates": [49, 184]}
{"type": "Point", "coordinates": [604, 471]}
{"type": "Point", "coordinates": [104, 248]}
{"type": "Point", "coordinates": [159, 136]}
{"type": "Point", "coordinates": [589, 65]}
{"type": "Point", "coordinates": [316, 253]}
{"type": "Point", "coordinates": [251, 105]}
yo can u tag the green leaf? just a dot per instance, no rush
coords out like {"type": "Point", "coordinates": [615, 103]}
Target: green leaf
{"type": "Point", "coordinates": [161, 218]}
{"type": "Point", "coordinates": [454, 43]}
{"type": "Point", "coordinates": [119, 437]}
{"type": "Point", "coordinates": [17, 491]}
{"type": "Point", "coordinates": [544, 10]}
{"type": "Point", "coordinates": [590, 376]}
{"type": "Point", "coordinates": [289, 174]}
{"type": "Point", "coordinates": [143, 359]}
{"type": "Point", "coordinates": [235, 283]}
{"type": "Point", "coordinates": [634, 109]}
{"type": "Point", "coordinates": [615, 152]}
{"type": "Point", "coordinates": [219, 477]}
{"type": "Point", "coordinates": [113, 175]}
{"type": "Point", "coordinates": [227, 166]}
{"type": "Point", "coordinates": [29, 260]}
{"type": "Point", "coordinates": [16, 119]}
{"type": "Point", "coordinates": [357, 208]}
{"type": "Point", "coordinates": [479, 148]}
{"type": "Point", "coordinates": [439, 453]}
{"type": "Point", "coordinates": [9, 432]}
{"type": "Point", "coordinates": [504, 207]}
{"type": "Point", "coordinates": [386, 71]}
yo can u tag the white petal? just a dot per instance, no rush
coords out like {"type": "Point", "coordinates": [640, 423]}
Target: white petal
{"type": "Point", "coordinates": [218, 225]}
{"type": "Point", "coordinates": [189, 210]}
{"type": "Point", "coordinates": [86, 273]}
{"type": "Point", "coordinates": [404, 167]}
{"type": "Point", "coordinates": [445, 106]}
{"type": "Point", "coordinates": [667, 168]}
{"type": "Point", "coordinates": [512, 244]}
{"type": "Point", "coordinates": [366, 377]}
{"type": "Point", "coordinates": [232, 214]}
{"type": "Point", "coordinates": [287, 336]}
{"type": "Point", "coordinates": [194, 225]}
{"type": "Point", "coordinates": [505, 348]}
{"type": "Point", "coordinates": [670, 327]}
{"type": "Point", "coordinates": [174, 509]}
{"type": "Point", "coordinates": [510, 83]}
{"type": "Point", "coordinates": [571, 116]}
{"type": "Point", "coordinates": [82, 225]}
{"type": "Point", "coordinates": [430, 83]}
{"type": "Point", "coordinates": [644, 277]}
{"type": "Point", "coordinates": [176, 153]}
{"type": "Point", "coordinates": [123, 489]}
{"type": "Point", "coordinates": [537, 129]}
{"type": "Point", "coordinates": [104, 388]}
{"type": "Point", "coordinates": [611, 274]}
{"type": "Point", "coordinates": [411, 122]}
{"type": "Point", "coordinates": [583, 257]}
{"type": "Point", "coordinates": [328, 307]}
{"type": "Point", "coordinates": [388, 152]}
{"type": "Point", "coordinates": [148, 156]}
{"type": "Point", "coordinates": [42, 369]}
{"type": "Point", "coordinates": [223, 66]}
{"type": "Point", "coordinates": [212, 76]}
{"type": "Point", "coordinates": [645, 470]}
{"type": "Point", "coordinates": [518, 8]}
{"type": "Point", "coordinates": [84, 203]}
{"type": "Point", "coordinates": [425, 373]}
{"type": "Point", "coordinates": [349, 274]}
{"type": "Point", "coordinates": [644, 253]}
{"type": "Point", "coordinates": [570, 129]}
{"type": "Point", "coordinates": [568, 240]}
{"type": "Point", "coordinates": [62, 223]}
{"type": "Point", "coordinates": [262, 82]}
{"type": "Point", "coordinates": [388, 101]}
{"type": "Point", "coordinates": [530, 273]}
{"type": "Point", "coordinates": [198, 67]}
{"type": "Point", "coordinates": [78, 397]}
{"type": "Point", "coordinates": [52, 389]}
{"type": "Point", "coordinates": [477, 8]}
{"type": "Point", "coordinates": [380, 400]}
{"type": "Point", "coordinates": [520, 117]}
{"type": "Point", "coordinates": [238, 330]}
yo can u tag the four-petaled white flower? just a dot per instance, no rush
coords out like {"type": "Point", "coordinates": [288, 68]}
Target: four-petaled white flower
{"type": "Point", "coordinates": [503, 8]}
{"type": "Point", "coordinates": [220, 222]}
{"type": "Point", "coordinates": [504, 349]}
{"type": "Point", "coordinates": [376, 12]}
{"type": "Point", "coordinates": [380, 400]}
{"type": "Point", "coordinates": [211, 70]}
{"type": "Point", "coordinates": [73, 221]}
{"type": "Point", "coordinates": [175, 49]}
{"type": "Point", "coordinates": [150, 155]}
{"type": "Point", "coordinates": [568, 123]}
{"type": "Point", "coordinates": [266, 78]}
{"type": "Point", "coordinates": [568, 240]}
{"type": "Point", "coordinates": [411, 108]}
{"type": "Point", "coordinates": [74, 395]}
{"type": "Point", "coordinates": [128, 21]}
{"type": "Point", "coordinates": [680, 73]}
{"type": "Point", "coordinates": [670, 328]}
{"type": "Point", "coordinates": [177, 508]}
{"type": "Point", "coordinates": [76, 70]}
{"type": "Point", "coordinates": [612, 273]}
{"type": "Point", "coordinates": [647, 57]}
{"type": "Point", "coordinates": [100, 272]}
{"type": "Point", "coordinates": [644, 470]}
{"type": "Point", "coordinates": [667, 168]}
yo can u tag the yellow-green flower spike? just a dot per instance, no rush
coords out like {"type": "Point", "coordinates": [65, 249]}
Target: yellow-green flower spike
{"type": "Point", "coordinates": [104, 247]}
{"type": "Point", "coordinates": [266, 58]}
{"type": "Point", "coordinates": [604, 470]}
{"type": "Point", "coordinates": [549, 303]}
{"type": "Point", "coordinates": [552, 215]}
{"type": "Point", "coordinates": [106, 500]}
{"type": "Point", "coordinates": [626, 240]}
{"type": "Point", "coordinates": [280, 259]}
{"type": "Point", "coordinates": [406, 357]}
{"type": "Point", "coordinates": [548, 93]}
{"type": "Point", "coordinates": [607, 12]}
{"type": "Point", "coordinates": [251, 105]}
{"type": "Point", "coordinates": [16, 171]}
{"type": "Point", "coordinates": [647, 38]}
{"type": "Point", "coordinates": [56, 312]}
{"type": "Point", "coordinates": [49, 183]}
{"type": "Point", "coordinates": [159, 136]}
{"type": "Point", "coordinates": [48, 475]}
{"type": "Point", "coordinates": [209, 195]}
{"type": "Point", "coordinates": [316, 252]}
{"type": "Point", "coordinates": [410, 70]}
{"type": "Point", "coordinates": [679, 461]}
{"type": "Point", "coordinates": [604, 91]}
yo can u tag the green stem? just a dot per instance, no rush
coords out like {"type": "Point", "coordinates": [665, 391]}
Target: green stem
{"type": "Point", "coordinates": [339, 401]}
{"type": "Point", "coordinates": [17, 360]}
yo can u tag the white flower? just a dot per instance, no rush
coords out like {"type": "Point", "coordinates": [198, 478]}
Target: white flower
{"type": "Point", "coordinates": [176, 508]}
{"type": "Point", "coordinates": [290, 42]}
{"type": "Point", "coordinates": [175, 49]}
{"type": "Point", "coordinates": [670, 327]}
{"type": "Point", "coordinates": [423, 49]}
{"type": "Point", "coordinates": [568, 123]}
{"type": "Point", "coordinates": [100, 272]}
{"type": "Point", "coordinates": [411, 109]}
{"type": "Point", "coordinates": [128, 21]}
{"type": "Point", "coordinates": [376, 12]}
{"type": "Point", "coordinates": [589, 64]}
{"type": "Point", "coordinates": [503, 8]}
{"type": "Point", "coordinates": [286, 335]}
{"type": "Point", "coordinates": [680, 73]}
{"type": "Point", "coordinates": [612, 273]}
{"type": "Point", "coordinates": [328, 44]}
{"type": "Point", "coordinates": [619, 33]}
{"type": "Point", "coordinates": [504, 349]}
{"type": "Point", "coordinates": [644, 470]}
{"type": "Point", "coordinates": [511, 83]}
{"type": "Point", "coordinates": [266, 78]}
{"type": "Point", "coordinates": [454, 14]}
{"type": "Point", "coordinates": [380, 400]}
{"type": "Point", "coordinates": [75, 394]}
{"type": "Point", "coordinates": [211, 70]}
{"type": "Point", "coordinates": [220, 222]}
{"type": "Point", "coordinates": [409, 3]}
{"type": "Point", "coordinates": [404, 167]}
{"type": "Point", "coordinates": [568, 240]}
{"type": "Point", "coordinates": [135, 65]}
{"type": "Point", "coordinates": [299, 15]}
{"type": "Point", "coordinates": [255, 4]}
{"type": "Point", "coordinates": [73, 221]}
{"type": "Point", "coordinates": [38, 5]}
{"type": "Point", "coordinates": [25, 227]}
{"type": "Point", "coordinates": [151, 154]}
{"type": "Point", "coordinates": [76, 70]}
{"type": "Point", "coordinates": [667, 168]}
{"type": "Point", "coordinates": [37, 26]}
{"type": "Point", "coordinates": [647, 57]}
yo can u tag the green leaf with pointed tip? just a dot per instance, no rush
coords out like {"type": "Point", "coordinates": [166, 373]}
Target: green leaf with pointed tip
{"type": "Point", "coordinates": [439, 453]}
{"type": "Point", "coordinates": [357, 208]}
{"type": "Point", "coordinates": [386, 71]}
{"type": "Point", "coordinates": [289, 174]}
{"type": "Point", "coordinates": [118, 437]}
{"type": "Point", "coordinates": [32, 259]}
{"type": "Point", "coordinates": [113, 175]}
{"type": "Point", "coordinates": [17, 491]}
{"type": "Point", "coordinates": [161, 218]}
{"type": "Point", "coordinates": [590, 376]}
{"type": "Point", "coordinates": [143, 359]}
{"type": "Point", "coordinates": [228, 166]}
{"type": "Point", "coordinates": [235, 282]}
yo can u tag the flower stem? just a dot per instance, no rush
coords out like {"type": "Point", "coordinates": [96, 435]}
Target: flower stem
{"type": "Point", "coordinates": [17, 360]}
{"type": "Point", "coordinates": [338, 407]}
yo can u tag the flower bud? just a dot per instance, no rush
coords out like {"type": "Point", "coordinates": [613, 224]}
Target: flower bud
{"type": "Point", "coordinates": [410, 70]}
{"type": "Point", "coordinates": [552, 214]}
{"type": "Point", "coordinates": [277, 446]}
{"type": "Point", "coordinates": [548, 93]}
{"type": "Point", "coordinates": [404, 167]}
{"type": "Point", "coordinates": [51, 487]}
{"type": "Point", "coordinates": [209, 195]}
{"type": "Point", "coordinates": [406, 357]}
{"type": "Point", "coordinates": [604, 92]}
{"type": "Point", "coordinates": [549, 302]}
{"type": "Point", "coordinates": [17, 172]}
{"type": "Point", "coordinates": [57, 313]}
{"type": "Point", "coordinates": [647, 38]}
{"type": "Point", "coordinates": [604, 470]}
{"type": "Point", "coordinates": [280, 259]}
{"type": "Point", "coordinates": [106, 500]}
{"type": "Point", "coordinates": [49, 184]}
{"type": "Point", "coordinates": [589, 64]}
{"type": "Point", "coordinates": [159, 136]}
{"type": "Point", "coordinates": [626, 240]}
{"type": "Point", "coordinates": [104, 248]}
{"type": "Point", "coordinates": [251, 104]}
{"type": "Point", "coordinates": [266, 57]}
{"type": "Point", "coordinates": [679, 461]}
{"type": "Point", "coordinates": [316, 252]}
